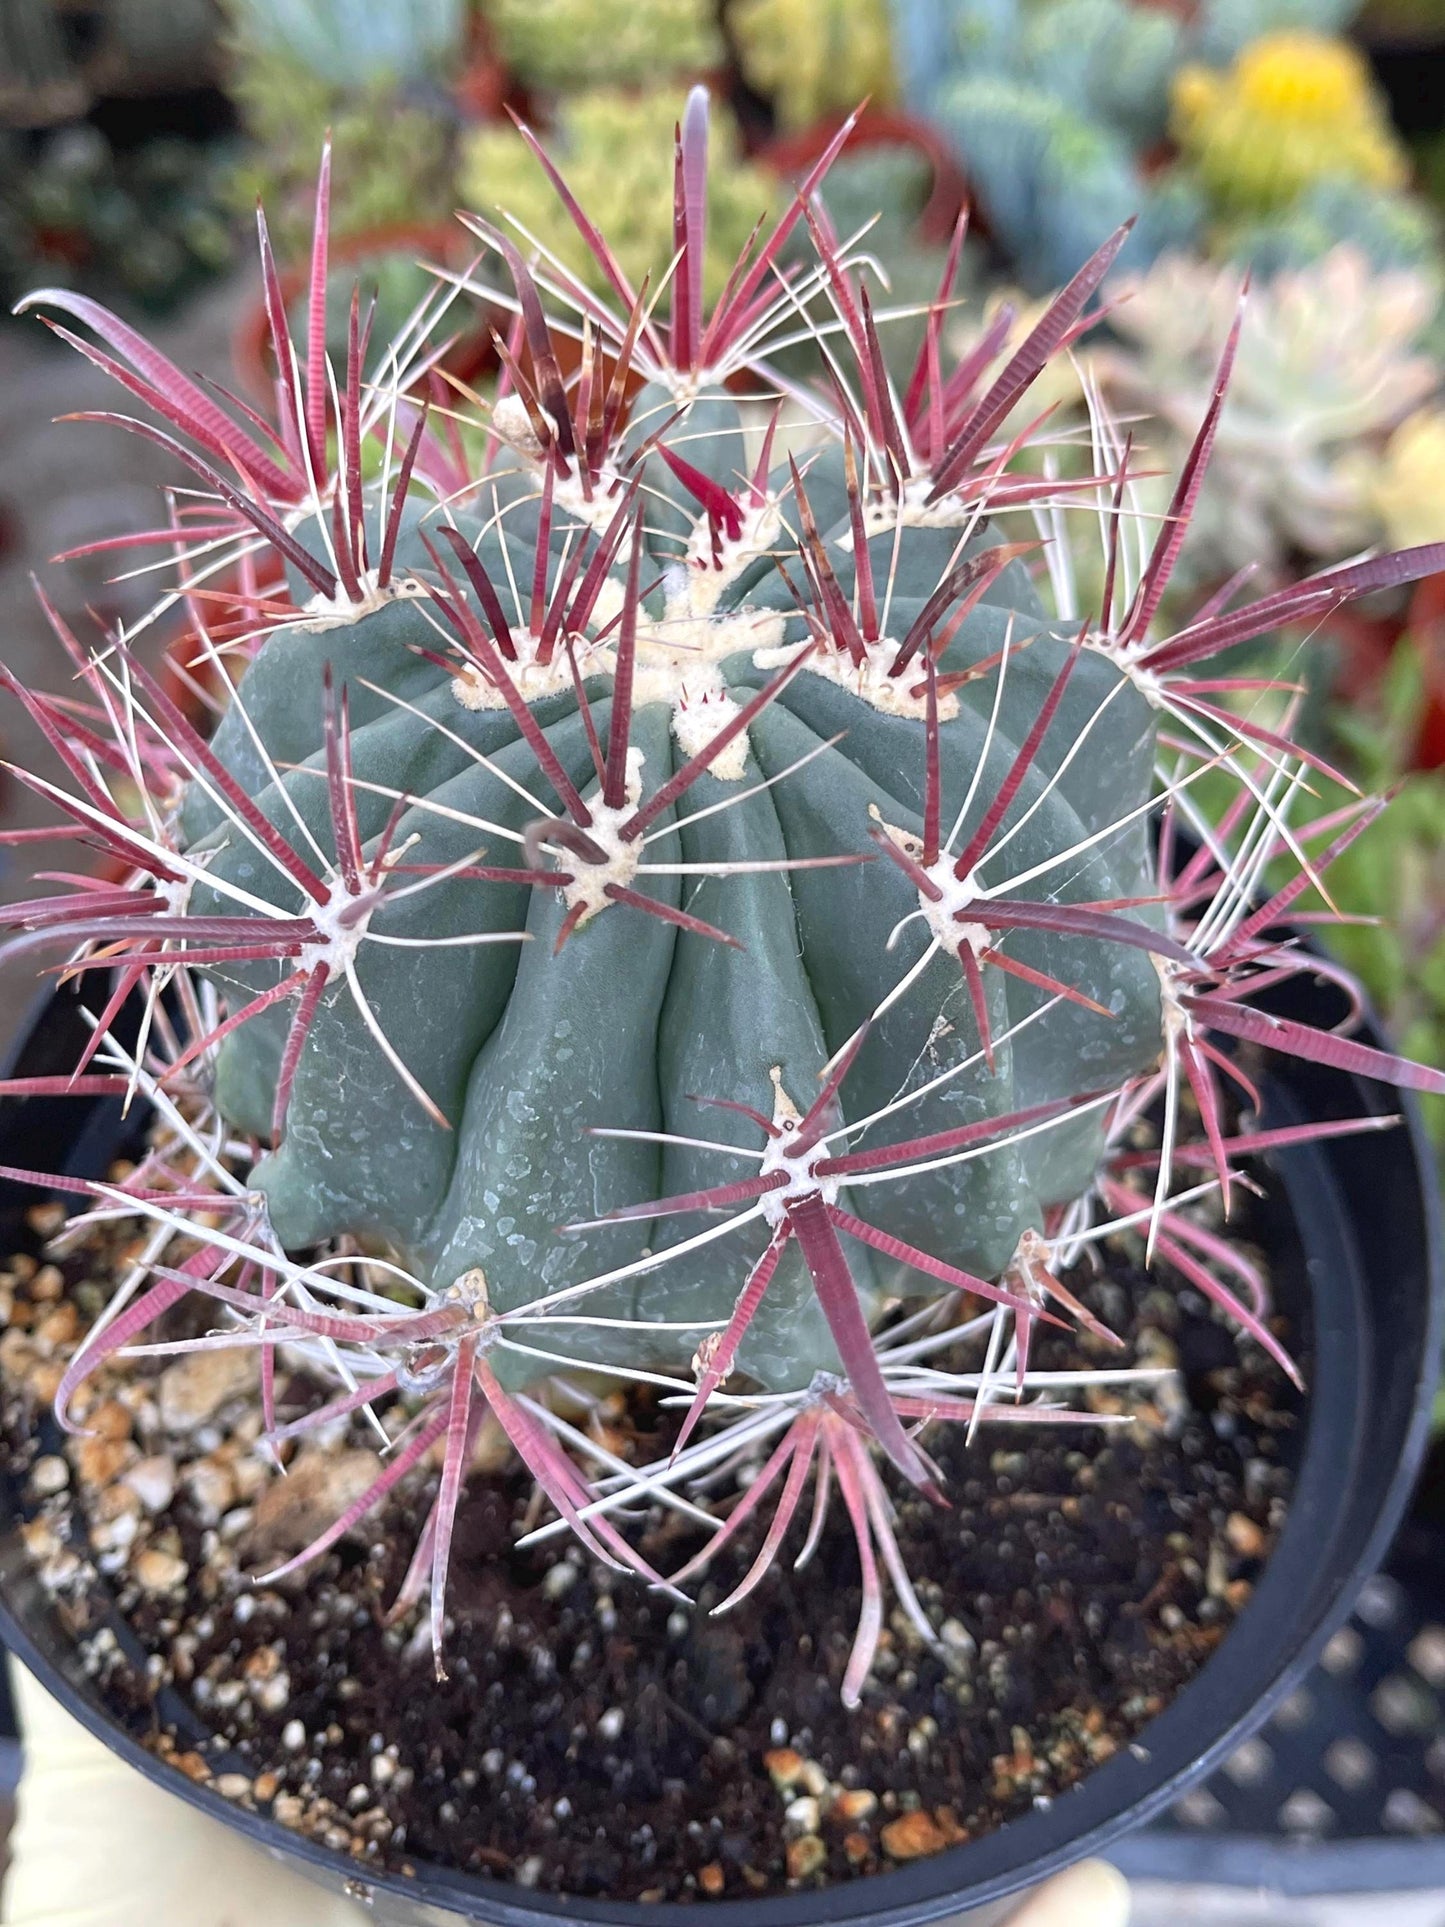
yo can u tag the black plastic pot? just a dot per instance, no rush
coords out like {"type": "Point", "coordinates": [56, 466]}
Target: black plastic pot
{"type": "Point", "coordinates": [1359, 1270]}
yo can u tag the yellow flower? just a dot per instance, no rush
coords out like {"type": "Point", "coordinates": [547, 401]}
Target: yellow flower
{"type": "Point", "coordinates": [1410, 485]}
{"type": "Point", "coordinates": [1293, 109]}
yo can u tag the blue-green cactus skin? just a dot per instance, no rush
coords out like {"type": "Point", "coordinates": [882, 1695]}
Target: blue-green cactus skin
{"type": "Point", "coordinates": [524, 1048]}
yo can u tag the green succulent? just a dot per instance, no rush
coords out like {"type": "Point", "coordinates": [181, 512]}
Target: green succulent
{"type": "Point", "coordinates": [144, 227]}
{"type": "Point", "coordinates": [392, 161]}
{"type": "Point", "coordinates": [368, 76]}
{"type": "Point", "coordinates": [813, 58]}
{"type": "Point", "coordinates": [565, 45]}
{"type": "Point", "coordinates": [1395, 874]}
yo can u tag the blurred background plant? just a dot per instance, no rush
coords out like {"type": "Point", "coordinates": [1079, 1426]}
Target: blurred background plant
{"type": "Point", "coordinates": [615, 149]}
{"type": "Point", "coordinates": [1396, 872]}
{"type": "Point", "coordinates": [114, 137]}
{"type": "Point", "coordinates": [814, 59]}
{"type": "Point", "coordinates": [1243, 130]}
{"type": "Point", "coordinates": [1292, 109]}
{"type": "Point", "coordinates": [1310, 451]}
{"type": "Point", "coordinates": [1406, 17]}
{"type": "Point", "coordinates": [1392, 880]}
{"type": "Point", "coordinates": [559, 46]}
{"type": "Point", "coordinates": [376, 77]}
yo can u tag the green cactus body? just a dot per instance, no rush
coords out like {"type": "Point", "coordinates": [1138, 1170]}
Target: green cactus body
{"type": "Point", "coordinates": [521, 1050]}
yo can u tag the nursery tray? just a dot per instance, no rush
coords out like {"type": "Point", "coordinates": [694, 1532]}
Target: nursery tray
{"type": "Point", "coordinates": [1344, 1789]}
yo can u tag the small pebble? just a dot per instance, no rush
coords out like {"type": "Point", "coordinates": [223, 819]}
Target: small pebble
{"type": "Point", "coordinates": [265, 1662]}
{"type": "Point", "coordinates": [48, 1282]}
{"type": "Point", "coordinates": [785, 1767]}
{"type": "Point", "coordinates": [237, 1523]}
{"type": "Point", "coordinates": [153, 1481]}
{"type": "Point", "coordinates": [560, 1579]}
{"type": "Point", "coordinates": [157, 1571]}
{"type": "Point", "coordinates": [805, 1856]}
{"type": "Point", "coordinates": [803, 1814]}
{"type": "Point", "coordinates": [42, 1380]}
{"type": "Point", "coordinates": [99, 1461]}
{"type": "Point", "coordinates": [49, 1476]}
{"type": "Point", "coordinates": [317, 1487]}
{"type": "Point", "coordinates": [912, 1835]}
{"type": "Point", "coordinates": [610, 1725]}
{"type": "Point", "coordinates": [1244, 1536]}
{"type": "Point", "coordinates": [58, 1327]}
{"type": "Point", "coordinates": [233, 1786]}
{"type": "Point", "coordinates": [712, 1879]}
{"type": "Point", "coordinates": [195, 1387]}
{"type": "Point", "coordinates": [857, 1803]}
{"type": "Point", "coordinates": [109, 1420]}
{"type": "Point", "coordinates": [211, 1488]}
{"type": "Point", "coordinates": [958, 1639]}
{"type": "Point", "coordinates": [272, 1694]}
{"type": "Point", "coordinates": [115, 1534]}
{"type": "Point", "coordinates": [293, 1736]}
{"type": "Point", "coordinates": [45, 1219]}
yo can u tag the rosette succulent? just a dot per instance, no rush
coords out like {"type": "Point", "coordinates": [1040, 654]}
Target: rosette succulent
{"type": "Point", "coordinates": [663, 903]}
{"type": "Point", "coordinates": [1331, 360]}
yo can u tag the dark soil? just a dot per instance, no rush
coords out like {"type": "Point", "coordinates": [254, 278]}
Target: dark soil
{"type": "Point", "coordinates": [593, 1738]}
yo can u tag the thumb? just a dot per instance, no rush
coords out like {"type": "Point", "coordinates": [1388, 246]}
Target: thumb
{"type": "Point", "coordinates": [1093, 1894]}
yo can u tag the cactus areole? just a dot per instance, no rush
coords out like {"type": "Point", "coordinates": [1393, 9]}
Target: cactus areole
{"type": "Point", "coordinates": [680, 888]}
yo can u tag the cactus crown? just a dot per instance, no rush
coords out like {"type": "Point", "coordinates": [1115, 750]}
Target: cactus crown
{"type": "Point", "coordinates": [669, 892]}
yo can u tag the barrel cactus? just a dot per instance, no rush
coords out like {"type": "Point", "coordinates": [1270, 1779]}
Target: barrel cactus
{"type": "Point", "coordinates": [656, 904]}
